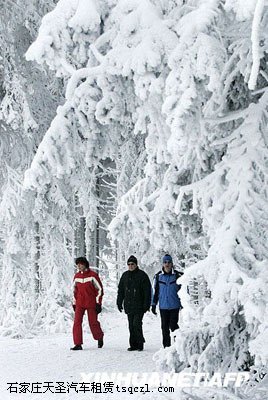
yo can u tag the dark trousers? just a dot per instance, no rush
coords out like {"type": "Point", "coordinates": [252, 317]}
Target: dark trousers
{"type": "Point", "coordinates": [136, 338]}
{"type": "Point", "coordinates": [169, 321]}
{"type": "Point", "coordinates": [92, 321]}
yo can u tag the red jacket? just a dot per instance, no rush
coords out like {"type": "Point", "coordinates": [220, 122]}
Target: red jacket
{"type": "Point", "coordinates": [88, 290]}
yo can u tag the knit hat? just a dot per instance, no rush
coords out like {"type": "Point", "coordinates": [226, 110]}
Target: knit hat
{"type": "Point", "coordinates": [132, 259]}
{"type": "Point", "coordinates": [166, 258]}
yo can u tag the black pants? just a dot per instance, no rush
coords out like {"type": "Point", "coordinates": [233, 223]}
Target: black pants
{"type": "Point", "coordinates": [169, 321]}
{"type": "Point", "coordinates": [136, 338]}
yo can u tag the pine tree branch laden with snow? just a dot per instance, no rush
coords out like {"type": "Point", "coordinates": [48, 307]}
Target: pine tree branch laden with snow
{"type": "Point", "coordinates": [231, 200]}
{"type": "Point", "coordinates": [164, 92]}
{"type": "Point", "coordinates": [235, 265]}
{"type": "Point", "coordinates": [65, 36]}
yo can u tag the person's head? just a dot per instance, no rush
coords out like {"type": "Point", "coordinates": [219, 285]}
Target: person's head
{"type": "Point", "coordinates": [132, 263]}
{"type": "Point", "coordinates": [167, 263]}
{"type": "Point", "coordinates": [82, 263]}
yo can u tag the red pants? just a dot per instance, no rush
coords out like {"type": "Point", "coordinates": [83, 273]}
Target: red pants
{"type": "Point", "coordinates": [93, 324]}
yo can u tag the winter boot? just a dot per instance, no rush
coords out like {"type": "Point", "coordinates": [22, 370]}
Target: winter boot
{"type": "Point", "coordinates": [77, 347]}
{"type": "Point", "coordinates": [100, 343]}
{"type": "Point", "coordinates": [132, 349]}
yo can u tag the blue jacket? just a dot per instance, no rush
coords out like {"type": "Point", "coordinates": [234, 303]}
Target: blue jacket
{"type": "Point", "coordinates": [165, 290]}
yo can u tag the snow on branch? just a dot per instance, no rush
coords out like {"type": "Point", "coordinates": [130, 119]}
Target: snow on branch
{"type": "Point", "coordinates": [255, 39]}
{"type": "Point", "coordinates": [65, 36]}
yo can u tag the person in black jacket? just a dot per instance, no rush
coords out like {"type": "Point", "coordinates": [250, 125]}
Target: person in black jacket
{"type": "Point", "coordinates": [134, 294]}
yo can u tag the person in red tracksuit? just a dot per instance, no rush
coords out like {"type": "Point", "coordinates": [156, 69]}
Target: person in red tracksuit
{"type": "Point", "coordinates": [88, 292]}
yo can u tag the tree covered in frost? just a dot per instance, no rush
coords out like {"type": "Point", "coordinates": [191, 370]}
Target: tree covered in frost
{"type": "Point", "coordinates": [166, 108]}
{"type": "Point", "coordinates": [27, 100]}
{"type": "Point", "coordinates": [216, 109]}
{"type": "Point", "coordinates": [90, 144]}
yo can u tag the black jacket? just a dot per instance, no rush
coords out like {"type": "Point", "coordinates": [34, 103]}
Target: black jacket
{"type": "Point", "coordinates": [134, 290]}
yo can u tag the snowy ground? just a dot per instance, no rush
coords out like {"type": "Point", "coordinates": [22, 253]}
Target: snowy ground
{"type": "Point", "coordinates": [48, 358]}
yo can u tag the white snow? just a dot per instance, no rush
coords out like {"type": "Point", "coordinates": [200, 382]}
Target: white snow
{"type": "Point", "coordinates": [243, 9]}
{"type": "Point", "coordinates": [86, 16]}
{"type": "Point", "coordinates": [255, 39]}
{"type": "Point", "coordinates": [150, 99]}
{"type": "Point", "coordinates": [48, 358]}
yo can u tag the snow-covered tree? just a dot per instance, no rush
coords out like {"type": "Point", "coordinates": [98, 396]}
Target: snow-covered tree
{"type": "Point", "coordinates": [219, 128]}
{"type": "Point", "coordinates": [166, 102]}
{"type": "Point", "coordinates": [26, 104]}
{"type": "Point", "coordinates": [95, 123]}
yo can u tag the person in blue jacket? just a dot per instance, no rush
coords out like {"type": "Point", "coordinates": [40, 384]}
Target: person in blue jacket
{"type": "Point", "coordinates": [165, 292]}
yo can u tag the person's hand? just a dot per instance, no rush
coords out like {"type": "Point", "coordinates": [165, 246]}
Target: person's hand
{"type": "Point", "coordinates": [154, 310]}
{"type": "Point", "coordinates": [120, 308]}
{"type": "Point", "coordinates": [98, 308]}
{"type": "Point", "coordinates": [74, 307]}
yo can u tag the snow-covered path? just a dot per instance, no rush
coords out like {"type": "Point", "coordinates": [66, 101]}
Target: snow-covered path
{"type": "Point", "coordinates": [49, 359]}
{"type": "Point", "coordinates": [45, 359]}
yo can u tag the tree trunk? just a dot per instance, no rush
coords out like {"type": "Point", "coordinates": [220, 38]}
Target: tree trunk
{"type": "Point", "coordinates": [37, 281]}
